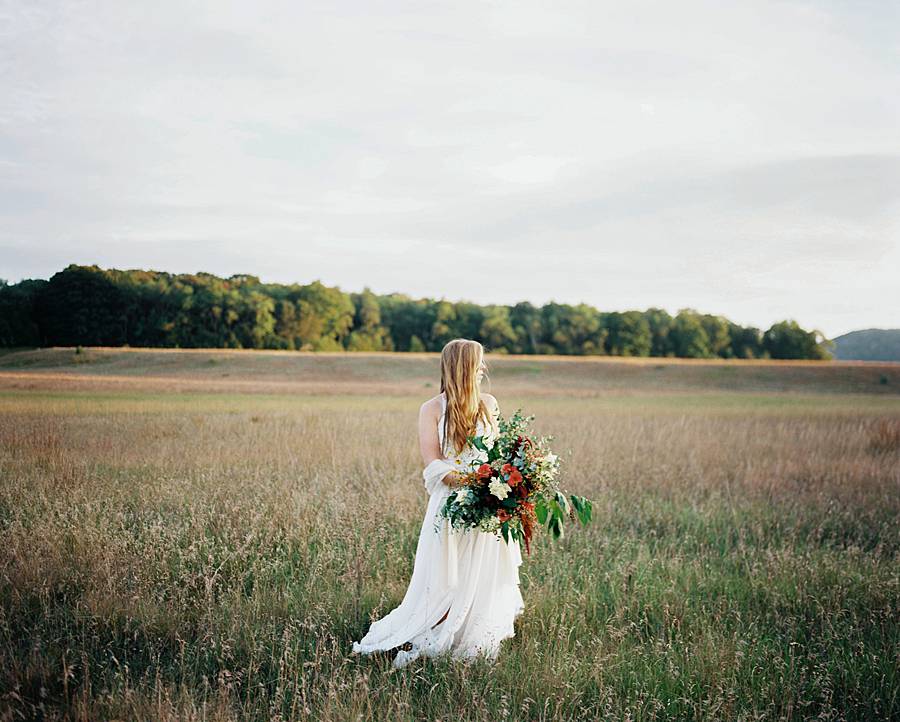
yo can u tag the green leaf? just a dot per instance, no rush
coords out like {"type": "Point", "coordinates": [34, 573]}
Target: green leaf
{"type": "Point", "coordinates": [562, 501]}
{"type": "Point", "coordinates": [504, 529]}
{"type": "Point", "coordinates": [540, 511]}
{"type": "Point", "coordinates": [582, 508]}
{"type": "Point", "coordinates": [556, 510]}
{"type": "Point", "coordinates": [478, 443]}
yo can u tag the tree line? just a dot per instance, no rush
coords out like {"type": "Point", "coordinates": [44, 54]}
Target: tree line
{"type": "Point", "coordinates": [90, 306]}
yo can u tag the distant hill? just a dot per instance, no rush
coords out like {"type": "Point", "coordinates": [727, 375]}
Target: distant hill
{"type": "Point", "coordinates": [871, 344]}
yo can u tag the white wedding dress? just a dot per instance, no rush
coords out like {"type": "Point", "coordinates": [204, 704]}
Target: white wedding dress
{"type": "Point", "coordinates": [471, 573]}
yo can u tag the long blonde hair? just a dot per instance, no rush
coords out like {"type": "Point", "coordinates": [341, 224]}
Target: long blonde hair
{"type": "Point", "coordinates": [460, 360]}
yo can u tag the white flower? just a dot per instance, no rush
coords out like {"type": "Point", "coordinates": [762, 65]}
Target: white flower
{"type": "Point", "coordinates": [462, 494]}
{"type": "Point", "coordinates": [489, 523]}
{"type": "Point", "coordinates": [551, 458]}
{"type": "Point", "coordinates": [499, 489]}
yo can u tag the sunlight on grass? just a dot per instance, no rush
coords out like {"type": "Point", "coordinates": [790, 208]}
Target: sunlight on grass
{"type": "Point", "coordinates": [212, 556]}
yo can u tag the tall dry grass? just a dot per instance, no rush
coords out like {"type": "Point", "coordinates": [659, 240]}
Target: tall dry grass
{"type": "Point", "coordinates": [212, 557]}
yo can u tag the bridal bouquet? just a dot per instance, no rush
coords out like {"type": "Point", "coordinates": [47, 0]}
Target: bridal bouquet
{"type": "Point", "coordinates": [515, 489]}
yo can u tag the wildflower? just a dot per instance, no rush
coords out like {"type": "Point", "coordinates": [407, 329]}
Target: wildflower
{"type": "Point", "coordinates": [499, 489]}
{"type": "Point", "coordinates": [489, 523]}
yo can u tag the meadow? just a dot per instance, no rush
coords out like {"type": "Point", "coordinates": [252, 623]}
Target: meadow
{"type": "Point", "coordinates": [199, 535]}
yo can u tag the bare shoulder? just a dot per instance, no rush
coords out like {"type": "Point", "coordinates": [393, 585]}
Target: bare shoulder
{"type": "Point", "coordinates": [432, 407]}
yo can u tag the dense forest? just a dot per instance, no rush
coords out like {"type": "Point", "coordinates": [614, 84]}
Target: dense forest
{"type": "Point", "coordinates": [90, 306]}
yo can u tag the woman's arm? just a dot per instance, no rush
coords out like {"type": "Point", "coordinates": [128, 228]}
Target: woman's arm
{"type": "Point", "coordinates": [429, 441]}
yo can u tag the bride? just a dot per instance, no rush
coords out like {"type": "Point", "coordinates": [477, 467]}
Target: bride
{"type": "Point", "coordinates": [463, 595]}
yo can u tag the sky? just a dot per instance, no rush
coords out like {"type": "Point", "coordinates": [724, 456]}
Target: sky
{"type": "Point", "coordinates": [738, 158]}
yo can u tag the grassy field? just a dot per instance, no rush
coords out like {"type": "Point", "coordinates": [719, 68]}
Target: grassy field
{"type": "Point", "coordinates": [199, 535]}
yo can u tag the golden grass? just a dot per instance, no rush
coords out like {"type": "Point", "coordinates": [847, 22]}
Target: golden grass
{"type": "Point", "coordinates": [412, 374]}
{"type": "Point", "coordinates": [210, 556]}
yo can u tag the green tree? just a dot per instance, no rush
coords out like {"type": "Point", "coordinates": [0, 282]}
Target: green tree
{"type": "Point", "coordinates": [660, 322]}
{"type": "Point", "coordinates": [89, 306]}
{"type": "Point", "coordinates": [470, 318]}
{"type": "Point", "coordinates": [326, 317]}
{"type": "Point", "coordinates": [405, 318]}
{"type": "Point", "coordinates": [18, 325]}
{"type": "Point", "coordinates": [80, 305]}
{"type": "Point", "coordinates": [629, 334]}
{"type": "Point", "coordinates": [287, 324]}
{"type": "Point", "coordinates": [718, 340]}
{"type": "Point", "coordinates": [496, 331]}
{"type": "Point", "coordinates": [526, 321]}
{"type": "Point", "coordinates": [444, 327]}
{"type": "Point", "coordinates": [787, 340]}
{"type": "Point", "coordinates": [368, 334]}
{"type": "Point", "coordinates": [572, 330]}
{"type": "Point", "coordinates": [687, 335]}
{"type": "Point", "coordinates": [256, 321]}
{"type": "Point", "coordinates": [744, 342]}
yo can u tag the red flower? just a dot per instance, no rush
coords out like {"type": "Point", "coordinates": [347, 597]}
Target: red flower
{"type": "Point", "coordinates": [484, 471]}
{"type": "Point", "coordinates": [514, 477]}
{"type": "Point", "coordinates": [507, 468]}
{"type": "Point", "coordinates": [503, 515]}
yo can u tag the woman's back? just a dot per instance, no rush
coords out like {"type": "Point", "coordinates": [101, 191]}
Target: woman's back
{"type": "Point", "coordinates": [464, 594]}
{"type": "Point", "coordinates": [469, 456]}
{"type": "Point", "coordinates": [466, 453]}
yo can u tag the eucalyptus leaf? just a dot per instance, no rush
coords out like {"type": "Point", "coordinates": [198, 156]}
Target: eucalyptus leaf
{"type": "Point", "coordinates": [556, 510]}
{"type": "Point", "coordinates": [582, 508]}
{"type": "Point", "coordinates": [562, 501]}
{"type": "Point", "coordinates": [540, 511]}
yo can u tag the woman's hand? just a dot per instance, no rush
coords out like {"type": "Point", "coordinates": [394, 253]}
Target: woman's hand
{"type": "Point", "coordinates": [451, 479]}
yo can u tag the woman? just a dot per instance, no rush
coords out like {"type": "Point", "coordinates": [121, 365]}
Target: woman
{"type": "Point", "coordinates": [464, 592]}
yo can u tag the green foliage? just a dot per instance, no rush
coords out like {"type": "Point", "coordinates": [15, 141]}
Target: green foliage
{"type": "Point", "coordinates": [90, 306]}
{"type": "Point", "coordinates": [659, 322]}
{"type": "Point", "coordinates": [688, 337]}
{"type": "Point", "coordinates": [368, 333]}
{"type": "Point", "coordinates": [18, 326]}
{"type": "Point", "coordinates": [629, 334]}
{"type": "Point", "coordinates": [497, 333]}
{"type": "Point", "coordinates": [744, 342]}
{"type": "Point", "coordinates": [786, 340]}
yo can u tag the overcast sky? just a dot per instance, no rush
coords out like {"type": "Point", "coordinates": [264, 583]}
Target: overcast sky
{"type": "Point", "coordinates": [739, 158]}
